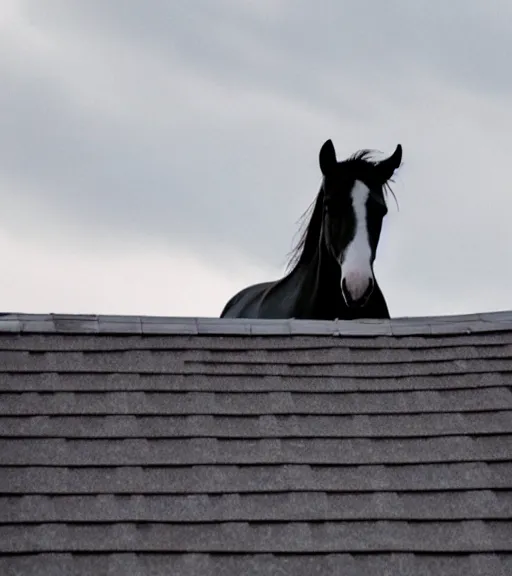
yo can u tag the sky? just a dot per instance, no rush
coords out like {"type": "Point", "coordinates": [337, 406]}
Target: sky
{"type": "Point", "coordinates": [156, 157]}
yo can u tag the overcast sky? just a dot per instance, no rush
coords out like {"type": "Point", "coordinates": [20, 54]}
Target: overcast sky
{"type": "Point", "coordinates": [155, 157]}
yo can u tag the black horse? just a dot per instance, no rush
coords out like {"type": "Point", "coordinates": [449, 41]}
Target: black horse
{"type": "Point", "coordinates": [331, 273]}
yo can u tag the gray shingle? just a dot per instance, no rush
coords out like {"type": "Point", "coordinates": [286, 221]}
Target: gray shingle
{"type": "Point", "coordinates": [80, 323]}
{"type": "Point", "coordinates": [405, 564]}
{"type": "Point", "coordinates": [165, 325]}
{"type": "Point", "coordinates": [129, 341]}
{"type": "Point", "coordinates": [215, 479]}
{"type": "Point", "coordinates": [293, 365]}
{"type": "Point", "coordinates": [119, 325]}
{"type": "Point", "coordinates": [345, 355]}
{"type": "Point", "coordinates": [255, 403]}
{"type": "Point", "coordinates": [84, 382]}
{"type": "Point", "coordinates": [194, 451]}
{"type": "Point", "coordinates": [285, 507]}
{"type": "Point", "coordinates": [268, 426]}
{"type": "Point", "coordinates": [186, 446]}
{"type": "Point", "coordinates": [238, 537]}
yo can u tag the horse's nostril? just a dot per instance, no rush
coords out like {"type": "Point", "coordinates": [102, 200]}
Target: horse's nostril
{"type": "Point", "coordinates": [369, 290]}
{"type": "Point", "coordinates": [346, 293]}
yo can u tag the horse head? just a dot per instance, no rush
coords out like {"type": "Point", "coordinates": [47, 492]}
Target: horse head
{"type": "Point", "coordinates": [354, 208]}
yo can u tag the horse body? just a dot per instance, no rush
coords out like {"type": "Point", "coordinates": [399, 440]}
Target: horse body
{"type": "Point", "coordinates": [285, 298]}
{"type": "Point", "coordinates": [332, 277]}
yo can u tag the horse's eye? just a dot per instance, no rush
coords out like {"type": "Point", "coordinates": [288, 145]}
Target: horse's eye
{"type": "Point", "coordinates": [378, 203]}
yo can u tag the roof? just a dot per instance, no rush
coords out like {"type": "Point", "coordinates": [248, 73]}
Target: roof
{"type": "Point", "coordinates": [184, 446]}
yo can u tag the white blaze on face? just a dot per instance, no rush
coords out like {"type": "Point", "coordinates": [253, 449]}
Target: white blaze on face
{"type": "Point", "coordinates": [356, 268]}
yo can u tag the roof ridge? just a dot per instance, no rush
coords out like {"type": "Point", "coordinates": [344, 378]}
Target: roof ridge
{"type": "Point", "coordinates": [191, 325]}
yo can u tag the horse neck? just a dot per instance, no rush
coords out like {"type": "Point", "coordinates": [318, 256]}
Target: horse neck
{"type": "Point", "coordinates": [312, 286]}
{"type": "Point", "coordinates": [317, 281]}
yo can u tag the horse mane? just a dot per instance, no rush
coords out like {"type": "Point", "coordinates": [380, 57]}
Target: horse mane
{"type": "Point", "coordinates": [367, 157]}
{"type": "Point", "coordinates": [307, 244]}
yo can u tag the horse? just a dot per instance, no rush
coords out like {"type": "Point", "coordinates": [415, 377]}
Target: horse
{"type": "Point", "coordinates": [332, 267]}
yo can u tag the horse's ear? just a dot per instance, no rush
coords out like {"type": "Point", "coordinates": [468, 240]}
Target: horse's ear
{"type": "Point", "coordinates": [327, 157]}
{"type": "Point", "coordinates": [388, 166]}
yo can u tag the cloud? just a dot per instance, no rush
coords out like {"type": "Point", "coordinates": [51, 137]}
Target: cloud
{"type": "Point", "coordinates": [195, 128]}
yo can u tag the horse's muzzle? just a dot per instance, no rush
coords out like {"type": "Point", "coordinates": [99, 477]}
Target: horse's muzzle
{"type": "Point", "coordinates": [362, 295]}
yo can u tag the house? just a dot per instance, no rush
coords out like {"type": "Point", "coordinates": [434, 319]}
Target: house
{"type": "Point", "coordinates": [142, 446]}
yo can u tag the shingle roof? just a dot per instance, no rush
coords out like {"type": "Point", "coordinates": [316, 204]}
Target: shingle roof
{"type": "Point", "coordinates": [181, 446]}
